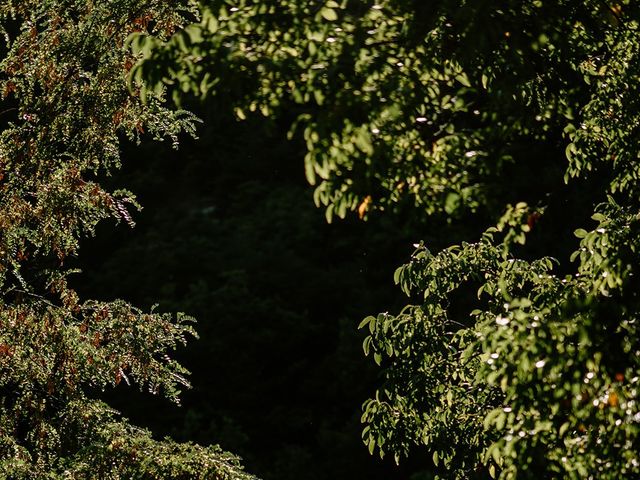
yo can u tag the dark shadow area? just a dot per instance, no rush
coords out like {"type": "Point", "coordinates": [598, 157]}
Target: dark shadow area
{"type": "Point", "coordinates": [229, 234]}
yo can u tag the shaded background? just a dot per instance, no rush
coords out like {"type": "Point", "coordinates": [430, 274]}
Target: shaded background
{"type": "Point", "coordinates": [229, 234]}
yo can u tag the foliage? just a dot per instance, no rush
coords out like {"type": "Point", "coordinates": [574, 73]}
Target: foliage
{"type": "Point", "coordinates": [540, 378]}
{"type": "Point", "coordinates": [392, 103]}
{"type": "Point", "coordinates": [64, 85]}
{"type": "Point", "coordinates": [454, 106]}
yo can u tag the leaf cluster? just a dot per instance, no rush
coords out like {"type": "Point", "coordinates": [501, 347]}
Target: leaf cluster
{"type": "Point", "coordinates": [67, 106]}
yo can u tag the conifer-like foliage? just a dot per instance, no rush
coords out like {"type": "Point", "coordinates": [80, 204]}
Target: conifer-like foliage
{"type": "Point", "coordinates": [516, 358]}
{"type": "Point", "coordinates": [66, 107]}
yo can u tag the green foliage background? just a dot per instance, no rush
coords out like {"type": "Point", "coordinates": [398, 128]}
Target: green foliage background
{"type": "Point", "coordinates": [503, 135]}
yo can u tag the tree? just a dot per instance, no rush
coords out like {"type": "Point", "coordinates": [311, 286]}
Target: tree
{"type": "Point", "coordinates": [523, 112]}
{"type": "Point", "coordinates": [66, 109]}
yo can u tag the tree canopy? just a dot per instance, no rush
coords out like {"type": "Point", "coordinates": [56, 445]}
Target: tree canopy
{"type": "Point", "coordinates": [66, 108]}
{"type": "Point", "coordinates": [518, 356]}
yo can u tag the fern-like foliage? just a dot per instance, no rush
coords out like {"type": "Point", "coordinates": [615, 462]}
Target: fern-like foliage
{"type": "Point", "coordinates": [66, 106]}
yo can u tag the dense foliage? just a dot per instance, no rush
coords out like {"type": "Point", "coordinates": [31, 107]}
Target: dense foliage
{"type": "Point", "coordinates": [455, 106]}
{"type": "Point", "coordinates": [66, 107]}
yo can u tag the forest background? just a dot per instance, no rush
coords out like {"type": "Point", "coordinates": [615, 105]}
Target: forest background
{"type": "Point", "coordinates": [229, 234]}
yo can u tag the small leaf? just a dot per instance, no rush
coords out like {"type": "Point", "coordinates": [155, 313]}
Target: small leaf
{"type": "Point", "coordinates": [463, 79]}
{"type": "Point", "coordinates": [377, 358]}
{"type": "Point", "coordinates": [329, 14]}
{"type": "Point", "coordinates": [396, 275]}
{"type": "Point", "coordinates": [364, 206]}
{"type": "Point", "coordinates": [366, 321]}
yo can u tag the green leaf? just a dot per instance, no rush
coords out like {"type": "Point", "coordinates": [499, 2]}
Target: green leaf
{"type": "Point", "coordinates": [463, 79]}
{"type": "Point", "coordinates": [377, 357]}
{"type": "Point", "coordinates": [396, 275]}
{"type": "Point", "coordinates": [366, 321]}
{"type": "Point", "coordinates": [329, 14]}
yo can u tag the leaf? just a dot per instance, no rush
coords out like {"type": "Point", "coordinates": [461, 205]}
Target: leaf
{"type": "Point", "coordinates": [328, 213]}
{"type": "Point", "coordinates": [240, 113]}
{"type": "Point", "coordinates": [366, 345]}
{"type": "Point", "coordinates": [452, 202]}
{"type": "Point", "coordinates": [463, 79]}
{"type": "Point", "coordinates": [500, 420]}
{"type": "Point", "coordinates": [363, 141]}
{"type": "Point", "coordinates": [319, 96]}
{"type": "Point", "coordinates": [194, 32]}
{"type": "Point", "coordinates": [309, 168]}
{"type": "Point", "coordinates": [377, 357]}
{"type": "Point", "coordinates": [397, 274]}
{"type": "Point", "coordinates": [364, 206]}
{"type": "Point", "coordinates": [366, 321]}
{"type": "Point", "coordinates": [563, 428]}
{"type": "Point", "coordinates": [329, 14]}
